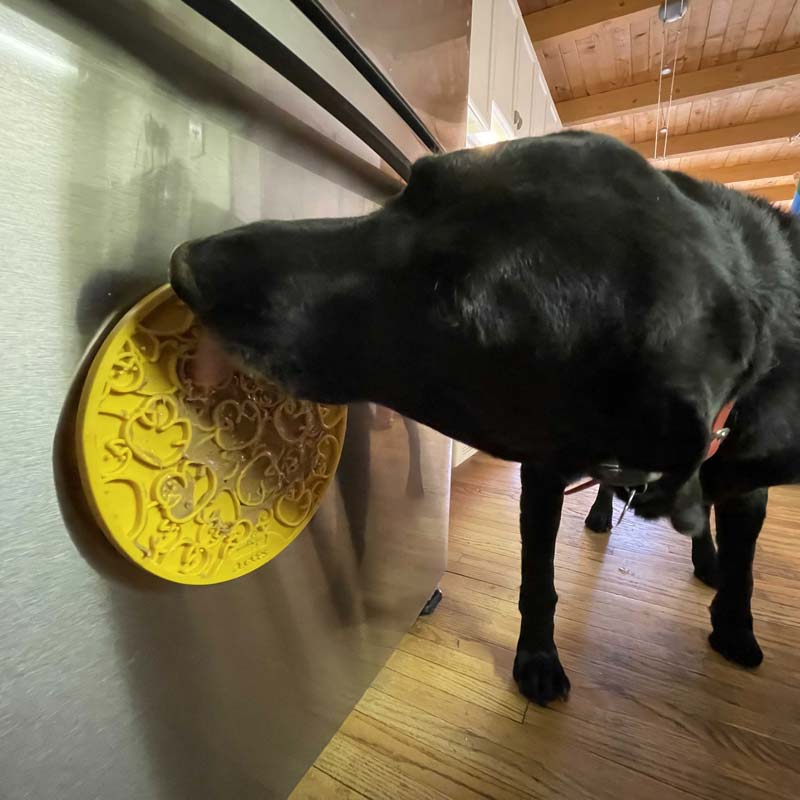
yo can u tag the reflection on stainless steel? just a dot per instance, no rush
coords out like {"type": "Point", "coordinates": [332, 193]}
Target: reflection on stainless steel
{"type": "Point", "coordinates": [282, 19]}
{"type": "Point", "coordinates": [246, 30]}
{"type": "Point", "coordinates": [423, 48]}
{"type": "Point", "coordinates": [335, 33]}
{"type": "Point", "coordinates": [128, 127]}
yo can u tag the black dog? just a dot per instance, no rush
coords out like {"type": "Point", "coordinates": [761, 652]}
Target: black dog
{"type": "Point", "coordinates": [558, 302]}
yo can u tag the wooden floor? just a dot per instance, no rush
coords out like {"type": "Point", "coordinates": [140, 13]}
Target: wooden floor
{"type": "Point", "coordinates": [653, 713]}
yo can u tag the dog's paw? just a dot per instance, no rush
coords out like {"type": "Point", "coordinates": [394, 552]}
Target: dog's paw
{"type": "Point", "coordinates": [540, 676]}
{"type": "Point", "coordinates": [707, 573]}
{"type": "Point", "coordinates": [599, 520]}
{"type": "Point", "coordinates": [738, 645]}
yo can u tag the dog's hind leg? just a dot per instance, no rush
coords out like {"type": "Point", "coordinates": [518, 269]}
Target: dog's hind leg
{"type": "Point", "coordinates": [704, 555]}
{"type": "Point", "coordinates": [600, 515]}
{"type": "Point", "coordinates": [537, 669]}
{"type": "Point", "coordinates": [739, 522]}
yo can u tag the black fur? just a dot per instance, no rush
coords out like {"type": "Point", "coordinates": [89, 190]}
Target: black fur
{"type": "Point", "coordinates": [558, 302]}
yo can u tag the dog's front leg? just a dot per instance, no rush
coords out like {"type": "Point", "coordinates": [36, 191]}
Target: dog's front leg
{"type": "Point", "coordinates": [739, 522]}
{"type": "Point", "coordinates": [537, 670]}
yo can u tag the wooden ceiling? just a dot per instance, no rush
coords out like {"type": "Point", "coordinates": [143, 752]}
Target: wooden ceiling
{"type": "Point", "coordinates": [735, 114]}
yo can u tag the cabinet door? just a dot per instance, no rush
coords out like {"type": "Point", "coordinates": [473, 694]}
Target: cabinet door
{"type": "Point", "coordinates": [504, 56]}
{"type": "Point", "coordinates": [552, 122]}
{"type": "Point", "coordinates": [541, 97]}
{"type": "Point", "coordinates": [480, 61]}
{"type": "Point", "coordinates": [523, 82]}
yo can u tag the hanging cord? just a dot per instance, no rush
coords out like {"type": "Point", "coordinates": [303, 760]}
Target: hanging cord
{"type": "Point", "coordinates": [674, 70]}
{"type": "Point", "coordinates": [662, 121]}
{"type": "Point", "coordinates": [660, 81]}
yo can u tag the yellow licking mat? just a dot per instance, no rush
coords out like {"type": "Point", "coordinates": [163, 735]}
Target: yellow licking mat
{"type": "Point", "coordinates": [196, 484]}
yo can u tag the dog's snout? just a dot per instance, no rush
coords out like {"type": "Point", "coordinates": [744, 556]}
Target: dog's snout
{"type": "Point", "coordinates": [181, 276]}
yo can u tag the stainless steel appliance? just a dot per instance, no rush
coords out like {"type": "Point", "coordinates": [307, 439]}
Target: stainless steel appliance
{"type": "Point", "coordinates": [125, 128]}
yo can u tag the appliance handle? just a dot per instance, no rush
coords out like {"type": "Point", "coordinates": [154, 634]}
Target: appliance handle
{"type": "Point", "coordinates": [338, 36]}
{"type": "Point", "coordinates": [241, 27]}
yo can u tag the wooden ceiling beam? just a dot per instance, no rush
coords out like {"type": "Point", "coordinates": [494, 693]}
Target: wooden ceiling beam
{"type": "Point", "coordinates": [758, 171]}
{"type": "Point", "coordinates": [753, 73]}
{"type": "Point", "coordinates": [750, 134]}
{"type": "Point", "coordinates": [578, 18]}
{"type": "Point", "coordinates": [775, 194]}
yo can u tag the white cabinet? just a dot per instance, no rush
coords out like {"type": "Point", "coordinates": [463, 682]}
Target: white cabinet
{"type": "Point", "coordinates": [539, 101]}
{"type": "Point", "coordinates": [552, 123]}
{"type": "Point", "coordinates": [504, 62]}
{"type": "Point", "coordinates": [508, 95]}
{"type": "Point", "coordinates": [523, 82]}
{"type": "Point", "coordinates": [480, 62]}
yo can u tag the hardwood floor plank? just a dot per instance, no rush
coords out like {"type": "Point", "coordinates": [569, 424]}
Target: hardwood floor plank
{"type": "Point", "coordinates": [318, 785]}
{"type": "Point", "coordinates": [503, 701]}
{"type": "Point", "coordinates": [370, 770]}
{"type": "Point", "coordinates": [454, 752]}
{"type": "Point", "coordinates": [562, 768]}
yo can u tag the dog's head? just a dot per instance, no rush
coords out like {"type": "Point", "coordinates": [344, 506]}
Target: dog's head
{"type": "Point", "coordinates": [544, 299]}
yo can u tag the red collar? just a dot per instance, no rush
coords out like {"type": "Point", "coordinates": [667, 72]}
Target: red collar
{"type": "Point", "coordinates": [719, 433]}
{"type": "Point", "coordinates": [719, 430]}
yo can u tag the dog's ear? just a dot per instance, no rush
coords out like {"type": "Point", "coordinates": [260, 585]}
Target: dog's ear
{"type": "Point", "coordinates": [423, 184]}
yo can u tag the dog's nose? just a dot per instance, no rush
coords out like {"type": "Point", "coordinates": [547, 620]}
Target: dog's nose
{"type": "Point", "coordinates": [181, 277]}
